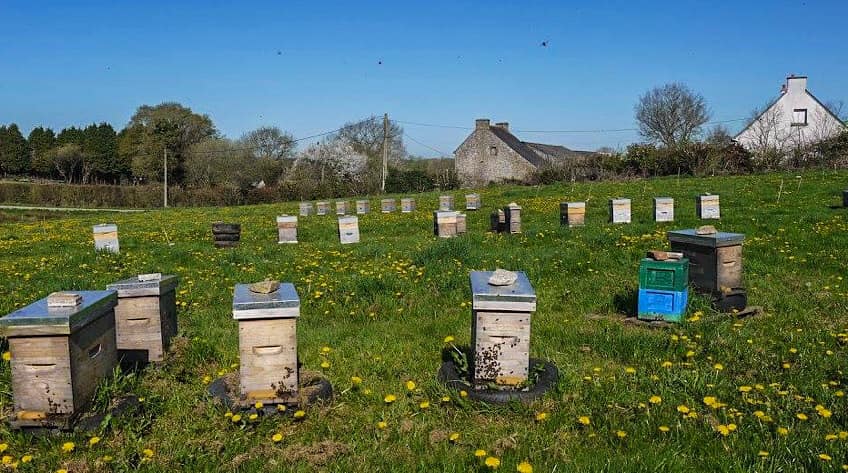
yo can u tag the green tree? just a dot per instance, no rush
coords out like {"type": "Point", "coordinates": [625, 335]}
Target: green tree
{"type": "Point", "coordinates": [152, 129]}
{"type": "Point", "coordinates": [41, 140]}
{"type": "Point", "coordinates": [14, 151]}
{"type": "Point", "coordinates": [100, 148]}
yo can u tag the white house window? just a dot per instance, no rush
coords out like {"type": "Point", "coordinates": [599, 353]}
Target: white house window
{"type": "Point", "coordinates": [799, 117]}
{"type": "Point", "coordinates": [493, 151]}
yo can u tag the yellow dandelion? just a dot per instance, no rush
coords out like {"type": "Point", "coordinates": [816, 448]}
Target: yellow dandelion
{"type": "Point", "coordinates": [390, 398]}
{"type": "Point", "coordinates": [541, 416]}
{"type": "Point", "coordinates": [7, 356]}
{"type": "Point", "coordinates": [655, 400]}
{"type": "Point", "coordinates": [718, 366]}
{"type": "Point", "coordinates": [26, 458]}
{"type": "Point", "coordinates": [325, 364]}
{"type": "Point", "coordinates": [449, 339]}
{"type": "Point", "coordinates": [355, 380]}
{"type": "Point", "coordinates": [253, 416]}
{"type": "Point", "coordinates": [281, 408]}
{"type": "Point", "coordinates": [68, 447]}
{"type": "Point", "coordinates": [745, 389]}
{"type": "Point", "coordinates": [148, 453]}
{"type": "Point", "coordinates": [382, 425]}
{"type": "Point", "coordinates": [682, 409]}
{"type": "Point", "coordinates": [410, 385]}
{"type": "Point", "coordinates": [236, 417]}
{"type": "Point", "coordinates": [584, 420]}
{"type": "Point", "coordinates": [762, 453]}
{"type": "Point", "coordinates": [299, 415]}
{"type": "Point", "coordinates": [479, 453]}
{"type": "Point", "coordinates": [93, 441]}
{"type": "Point", "coordinates": [326, 350]}
{"type": "Point", "coordinates": [825, 413]}
{"type": "Point", "coordinates": [783, 431]}
{"type": "Point", "coordinates": [630, 370]}
{"type": "Point", "coordinates": [801, 416]}
{"type": "Point", "coordinates": [667, 364]}
{"type": "Point", "coordinates": [463, 394]}
{"type": "Point", "coordinates": [492, 462]}
{"type": "Point", "coordinates": [825, 457]}
{"type": "Point", "coordinates": [620, 434]}
{"type": "Point", "coordinates": [258, 405]}
{"type": "Point", "coordinates": [454, 437]}
{"type": "Point", "coordinates": [709, 400]}
{"type": "Point", "coordinates": [664, 428]}
{"type": "Point", "coordinates": [277, 437]}
{"type": "Point", "coordinates": [4, 447]}
{"type": "Point", "coordinates": [524, 467]}
{"type": "Point", "coordinates": [424, 405]}
{"type": "Point", "coordinates": [446, 398]}
{"type": "Point", "coordinates": [722, 429]}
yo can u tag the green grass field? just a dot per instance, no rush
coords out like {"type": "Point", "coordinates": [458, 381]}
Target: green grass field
{"type": "Point", "coordinates": [716, 393]}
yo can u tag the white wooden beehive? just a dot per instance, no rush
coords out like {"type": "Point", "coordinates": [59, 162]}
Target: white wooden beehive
{"type": "Point", "coordinates": [349, 229]}
{"type": "Point", "coordinates": [287, 229]}
{"type": "Point", "coordinates": [663, 209]}
{"type": "Point", "coordinates": [619, 210]}
{"type": "Point", "coordinates": [145, 317]}
{"type": "Point", "coordinates": [708, 207]}
{"type": "Point", "coordinates": [106, 238]}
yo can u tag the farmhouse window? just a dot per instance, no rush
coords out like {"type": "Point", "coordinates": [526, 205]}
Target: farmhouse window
{"type": "Point", "coordinates": [493, 151]}
{"type": "Point", "coordinates": [799, 117]}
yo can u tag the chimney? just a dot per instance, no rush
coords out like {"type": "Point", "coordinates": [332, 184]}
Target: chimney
{"type": "Point", "coordinates": [481, 124]}
{"type": "Point", "coordinates": [796, 84]}
{"type": "Point", "coordinates": [503, 125]}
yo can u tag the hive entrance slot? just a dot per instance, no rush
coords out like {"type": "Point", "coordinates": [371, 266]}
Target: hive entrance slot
{"type": "Point", "coordinates": [95, 350]}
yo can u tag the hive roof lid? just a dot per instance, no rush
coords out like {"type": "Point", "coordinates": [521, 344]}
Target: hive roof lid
{"type": "Point", "coordinates": [715, 240]}
{"type": "Point", "coordinates": [519, 292]}
{"type": "Point", "coordinates": [39, 319]}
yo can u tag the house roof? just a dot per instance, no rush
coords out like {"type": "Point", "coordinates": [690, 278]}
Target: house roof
{"type": "Point", "coordinates": [517, 145]}
{"type": "Point", "coordinates": [536, 153]}
{"type": "Point", "coordinates": [779, 97]}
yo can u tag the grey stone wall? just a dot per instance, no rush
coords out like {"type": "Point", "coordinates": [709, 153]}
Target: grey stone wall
{"type": "Point", "coordinates": [476, 164]}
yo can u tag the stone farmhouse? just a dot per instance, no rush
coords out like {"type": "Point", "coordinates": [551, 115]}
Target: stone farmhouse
{"type": "Point", "coordinates": [795, 119]}
{"type": "Point", "coordinates": [492, 154]}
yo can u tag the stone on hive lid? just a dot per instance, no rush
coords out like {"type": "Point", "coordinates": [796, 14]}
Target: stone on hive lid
{"type": "Point", "coordinates": [502, 277]}
{"type": "Point", "coordinates": [264, 287]}
{"type": "Point", "coordinates": [63, 299]}
{"type": "Point", "coordinates": [149, 277]}
{"type": "Point", "coordinates": [706, 230]}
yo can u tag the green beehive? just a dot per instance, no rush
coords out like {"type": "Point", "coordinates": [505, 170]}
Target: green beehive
{"type": "Point", "coordinates": [668, 275]}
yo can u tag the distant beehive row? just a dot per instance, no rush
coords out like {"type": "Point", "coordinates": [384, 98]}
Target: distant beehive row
{"type": "Point", "coordinates": [573, 214]}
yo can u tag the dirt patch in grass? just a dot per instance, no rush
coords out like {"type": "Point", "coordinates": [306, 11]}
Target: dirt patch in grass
{"type": "Point", "coordinates": [317, 454]}
{"type": "Point", "coordinates": [438, 436]}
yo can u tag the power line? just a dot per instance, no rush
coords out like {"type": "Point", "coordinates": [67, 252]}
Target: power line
{"type": "Point", "coordinates": [606, 130]}
{"type": "Point", "coordinates": [424, 145]}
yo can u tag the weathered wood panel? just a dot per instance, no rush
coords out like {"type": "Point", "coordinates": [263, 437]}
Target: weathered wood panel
{"type": "Point", "coordinates": [501, 347]}
{"type": "Point", "coordinates": [41, 374]}
{"type": "Point", "coordinates": [407, 205]}
{"type": "Point", "coordinates": [572, 214]}
{"type": "Point", "coordinates": [663, 209]}
{"type": "Point", "coordinates": [445, 203]}
{"type": "Point", "coordinates": [268, 358]}
{"type": "Point", "coordinates": [94, 355]}
{"type": "Point", "coordinates": [348, 230]}
{"type": "Point", "coordinates": [362, 207]}
{"type": "Point", "coordinates": [708, 207]}
{"type": "Point", "coordinates": [619, 210]}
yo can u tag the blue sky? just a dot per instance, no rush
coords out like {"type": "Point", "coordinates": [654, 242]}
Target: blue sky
{"type": "Point", "coordinates": [308, 67]}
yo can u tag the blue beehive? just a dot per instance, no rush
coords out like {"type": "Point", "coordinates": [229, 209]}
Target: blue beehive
{"type": "Point", "coordinates": [656, 304]}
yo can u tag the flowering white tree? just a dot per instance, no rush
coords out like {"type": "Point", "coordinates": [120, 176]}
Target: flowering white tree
{"type": "Point", "coordinates": [336, 158]}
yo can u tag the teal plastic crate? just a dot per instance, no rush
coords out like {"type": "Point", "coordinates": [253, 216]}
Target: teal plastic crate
{"type": "Point", "coordinates": [669, 275]}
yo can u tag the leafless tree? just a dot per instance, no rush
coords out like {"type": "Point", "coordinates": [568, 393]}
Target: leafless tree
{"type": "Point", "coordinates": [269, 142]}
{"type": "Point", "coordinates": [839, 109]}
{"type": "Point", "coordinates": [719, 135]}
{"type": "Point", "coordinates": [672, 114]}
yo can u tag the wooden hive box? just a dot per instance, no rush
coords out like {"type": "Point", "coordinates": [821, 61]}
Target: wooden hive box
{"type": "Point", "coordinates": [407, 205]}
{"type": "Point", "coordinates": [445, 203]}
{"type": "Point", "coordinates": [59, 356]}
{"type": "Point", "coordinates": [106, 238]}
{"type": "Point", "coordinates": [286, 229]}
{"type": "Point", "coordinates": [497, 221]}
{"type": "Point", "coordinates": [342, 207]}
{"type": "Point", "coordinates": [268, 371]}
{"type": "Point", "coordinates": [305, 209]}
{"type": "Point", "coordinates": [349, 229]}
{"type": "Point", "coordinates": [444, 223]}
{"type": "Point", "coordinates": [388, 205]}
{"type": "Point", "coordinates": [500, 330]}
{"type": "Point", "coordinates": [663, 209]}
{"type": "Point", "coordinates": [619, 210]}
{"type": "Point", "coordinates": [362, 207]}
{"type": "Point", "coordinates": [472, 202]}
{"type": "Point", "coordinates": [145, 317]}
{"type": "Point", "coordinates": [461, 224]}
{"type": "Point", "coordinates": [512, 213]}
{"type": "Point", "coordinates": [715, 261]}
{"type": "Point", "coordinates": [572, 214]}
{"type": "Point", "coordinates": [322, 208]}
{"type": "Point", "coordinates": [708, 207]}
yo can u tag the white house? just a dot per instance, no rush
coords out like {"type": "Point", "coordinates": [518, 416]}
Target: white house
{"type": "Point", "coordinates": [796, 118]}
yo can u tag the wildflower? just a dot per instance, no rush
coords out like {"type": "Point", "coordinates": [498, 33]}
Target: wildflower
{"type": "Point", "coordinates": [7, 356]}
{"type": "Point", "coordinates": [299, 415]}
{"type": "Point", "coordinates": [584, 420]}
{"type": "Point", "coordinates": [277, 437]}
{"type": "Point", "coordinates": [325, 364]}
{"type": "Point", "coordinates": [630, 370]}
{"type": "Point", "coordinates": [655, 400]}
{"type": "Point", "coordinates": [355, 380]}
{"type": "Point", "coordinates": [449, 339]}
{"type": "Point", "coordinates": [68, 447]}
{"type": "Point", "coordinates": [492, 462]}
{"type": "Point", "coordinates": [61, 470]}
{"type": "Point", "coordinates": [783, 431]}
{"type": "Point", "coordinates": [281, 408]}
{"type": "Point", "coordinates": [446, 398]}
{"type": "Point", "coordinates": [258, 405]}
{"type": "Point", "coordinates": [6, 460]}
{"type": "Point", "coordinates": [454, 437]}
{"type": "Point", "coordinates": [424, 405]}
{"type": "Point", "coordinates": [4, 447]}
{"type": "Point", "coordinates": [744, 389]}
{"type": "Point", "coordinates": [824, 412]}
{"type": "Point", "coordinates": [524, 467]}
{"type": "Point", "coordinates": [236, 417]}
{"type": "Point", "coordinates": [382, 425]}
{"type": "Point", "coordinates": [463, 393]}
{"type": "Point", "coordinates": [410, 385]}
{"type": "Point", "coordinates": [825, 457]}
{"type": "Point", "coordinates": [664, 428]}
{"type": "Point", "coordinates": [620, 434]}
{"type": "Point", "coordinates": [682, 409]}
{"type": "Point", "coordinates": [390, 398]}
{"type": "Point", "coordinates": [26, 458]}
{"type": "Point", "coordinates": [762, 453]}
{"type": "Point", "coordinates": [326, 350]}
{"type": "Point", "coordinates": [731, 427]}
{"type": "Point", "coordinates": [718, 366]}
{"type": "Point", "coordinates": [801, 416]}
{"type": "Point", "coordinates": [479, 453]}
{"type": "Point", "coordinates": [667, 364]}
{"type": "Point", "coordinates": [541, 416]}
{"type": "Point", "coordinates": [722, 429]}
{"type": "Point", "coordinates": [253, 416]}
{"type": "Point", "coordinates": [148, 453]}
{"type": "Point", "coordinates": [93, 441]}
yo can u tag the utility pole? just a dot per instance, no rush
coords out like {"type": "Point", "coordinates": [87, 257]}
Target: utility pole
{"type": "Point", "coordinates": [165, 190]}
{"type": "Point", "coordinates": [385, 151]}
